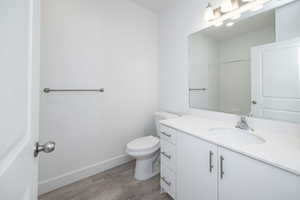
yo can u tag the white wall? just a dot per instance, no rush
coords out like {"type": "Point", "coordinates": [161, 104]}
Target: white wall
{"type": "Point", "coordinates": [239, 47]}
{"type": "Point", "coordinates": [176, 24]}
{"type": "Point", "coordinates": [287, 21]}
{"type": "Point", "coordinates": [92, 44]}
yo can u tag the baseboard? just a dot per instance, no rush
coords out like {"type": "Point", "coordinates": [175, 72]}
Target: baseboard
{"type": "Point", "coordinates": [76, 175]}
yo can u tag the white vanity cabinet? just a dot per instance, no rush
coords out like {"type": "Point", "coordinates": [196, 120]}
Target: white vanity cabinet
{"type": "Point", "coordinates": [168, 156]}
{"type": "Point", "coordinates": [209, 172]}
{"type": "Point", "coordinates": [248, 179]}
{"type": "Point", "coordinates": [197, 169]}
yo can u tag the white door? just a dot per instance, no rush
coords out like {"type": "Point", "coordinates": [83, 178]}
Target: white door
{"type": "Point", "coordinates": [248, 179]}
{"type": "Point", "coordinates": [276, 81]}
{"type": "Point", "coordinates": [19, 64]}
{"type": "Point", "coordinates": [197, 171]}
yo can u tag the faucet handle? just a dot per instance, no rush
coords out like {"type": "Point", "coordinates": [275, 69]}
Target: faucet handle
{"type": "Point", "coordinates": [244, 117]}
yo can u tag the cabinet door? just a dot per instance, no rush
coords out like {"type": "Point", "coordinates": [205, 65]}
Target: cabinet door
{"type": "Point", "coordinates": [248, 179]}
{"type": "Point", "coordinates": [197, 169]}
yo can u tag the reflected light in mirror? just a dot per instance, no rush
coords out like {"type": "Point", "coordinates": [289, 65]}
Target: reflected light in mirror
{"type": "Point", "coordinates": [230, 24]}
{"type": "Point", "coordinates": [218, 23]}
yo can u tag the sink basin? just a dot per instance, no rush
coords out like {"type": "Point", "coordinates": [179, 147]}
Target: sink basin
{"type": "Point", "coordinates": [233, 136]}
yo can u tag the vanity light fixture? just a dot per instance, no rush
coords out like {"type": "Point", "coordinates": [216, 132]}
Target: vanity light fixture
{"type": "Point", "coordinates": [217, 13]}
{"type": "Point", "coordinates": [229, 5]}
{"type": "Point", "coordinates": [226, 6]}
{"type": "Point", "coordinates": [231, 9]}
{"type": "Point", "coordinates": [209, 13]}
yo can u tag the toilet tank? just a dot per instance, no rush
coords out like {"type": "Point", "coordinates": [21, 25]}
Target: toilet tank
{"type": "Point", "coordinates": [161, 116]}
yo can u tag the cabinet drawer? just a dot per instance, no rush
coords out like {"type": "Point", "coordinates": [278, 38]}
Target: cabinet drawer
{"type": "Point", "coordinates": [168, 134]}
{"type": "Point", "coordinates": [168, 181]}
{"type": "Point", "coordinates": [168, 154]}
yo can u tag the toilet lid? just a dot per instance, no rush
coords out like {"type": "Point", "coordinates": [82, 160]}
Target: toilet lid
{"type": "Point", "coordinates": [143, 143]}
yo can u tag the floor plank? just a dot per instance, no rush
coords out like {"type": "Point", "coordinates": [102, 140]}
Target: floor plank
{"type": "Point", "coordinates": [114, 184]}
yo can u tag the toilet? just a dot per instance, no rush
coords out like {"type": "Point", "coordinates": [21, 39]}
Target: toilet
{"type": "Point", "coordinates": [146, 150]}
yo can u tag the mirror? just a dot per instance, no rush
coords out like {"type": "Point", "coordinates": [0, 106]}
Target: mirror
{"type": "Point", "coordinates": [242, 69]}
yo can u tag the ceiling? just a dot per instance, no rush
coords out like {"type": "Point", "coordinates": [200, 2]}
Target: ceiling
{"type": "Point", "coordinates": [155, 5]}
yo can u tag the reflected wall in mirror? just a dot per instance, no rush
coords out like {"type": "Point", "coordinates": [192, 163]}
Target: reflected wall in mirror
{"type": "Point", "coordinates": [243, 69]}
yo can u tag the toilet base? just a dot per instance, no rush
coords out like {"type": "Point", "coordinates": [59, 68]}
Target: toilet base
{"type": "Point", "coordinates": [145, 169]}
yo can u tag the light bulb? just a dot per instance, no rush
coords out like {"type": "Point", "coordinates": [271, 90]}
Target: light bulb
{"type": "Point", "coordinates": [226, 6]}
{"type": "Point", "coordinates": [217, 12]}
{"type": "Point", "coordinates": [229, 5]}
{"type": "Point", "coordinates": [209, 13]}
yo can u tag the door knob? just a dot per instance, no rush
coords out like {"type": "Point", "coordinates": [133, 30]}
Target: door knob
{"type": "Point", "coordinates": [46, 148]}
{"type": "Point", "coordinates": [254, 102]}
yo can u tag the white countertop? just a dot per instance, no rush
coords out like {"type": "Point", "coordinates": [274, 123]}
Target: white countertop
{"type": "Point", "coordinates": [280, 149]}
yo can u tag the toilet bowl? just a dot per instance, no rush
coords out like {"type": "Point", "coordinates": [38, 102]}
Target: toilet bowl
{"type": "Point", "coordinates": [146, 151]}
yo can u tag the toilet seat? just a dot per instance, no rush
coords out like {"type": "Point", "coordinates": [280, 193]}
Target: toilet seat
{"type": "Point", "coordinates": [143, 145]}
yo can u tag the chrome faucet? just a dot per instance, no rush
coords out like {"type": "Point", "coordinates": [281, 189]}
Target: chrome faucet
{"type": "Point", "coordinates": [242, 124]}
